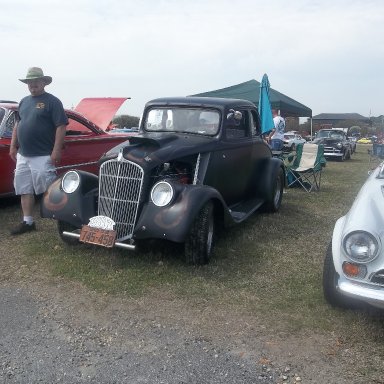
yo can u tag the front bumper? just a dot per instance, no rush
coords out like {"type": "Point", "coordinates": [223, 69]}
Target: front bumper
{"type": "Point", "coordinates": [118, 244]}
{"type": "Point", "coordinates": [369, 293]}
{"type": "Point", "coordinates": [333, 154]}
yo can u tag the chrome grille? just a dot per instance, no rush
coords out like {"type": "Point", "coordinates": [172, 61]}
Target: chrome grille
{"type": "Point", "coordinates": [120, 185]}
{"type": "Point", "coordinates": [332, 150]}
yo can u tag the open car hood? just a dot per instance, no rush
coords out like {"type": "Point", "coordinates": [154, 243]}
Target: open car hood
{"type": "Point", "coordinates": [100, 110]}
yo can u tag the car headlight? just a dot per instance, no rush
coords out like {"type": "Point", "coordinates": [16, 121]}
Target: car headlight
{"type": "Point", "coordinates": [339, 145]}
{"type": "Point", "coordinates": [361, 246]}
{"type": "Point", "coordinates": [70, 182]}
{"type": "Point", "coordinates": [162, 193]}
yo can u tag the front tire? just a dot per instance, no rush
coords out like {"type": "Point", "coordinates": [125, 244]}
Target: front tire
{"type": "Point", "coordinates": [200, 240]}
{"type": "Point", "coordinates": [63, 226]}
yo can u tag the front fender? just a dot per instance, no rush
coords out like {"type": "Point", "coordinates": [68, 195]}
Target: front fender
{"type": "Point", "coordinates": [74, 208]}
{"type": "Point", "coordinates": [174, 221]}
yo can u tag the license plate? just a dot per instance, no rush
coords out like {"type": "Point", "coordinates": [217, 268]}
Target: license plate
{"type": "Point", "coordinates": [98, 236]}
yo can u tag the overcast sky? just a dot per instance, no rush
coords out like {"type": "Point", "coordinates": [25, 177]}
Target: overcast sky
{"type": "Point", "coordinates": [326, 54]}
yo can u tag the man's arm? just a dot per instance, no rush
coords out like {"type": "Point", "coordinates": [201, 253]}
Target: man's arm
{"type": "Point", "coordinates": [14, 143]}
{"type": "Point", "coordinates": [59, 143]}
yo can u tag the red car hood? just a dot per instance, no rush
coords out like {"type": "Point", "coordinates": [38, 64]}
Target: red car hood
{"type": "Point", "coordinates": [100, 110]}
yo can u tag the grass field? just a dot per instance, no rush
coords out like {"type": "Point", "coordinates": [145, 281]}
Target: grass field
{"type": "Point", "coordinates": [269, 267]}
{"type": "Point", "coordinates": [271, 261]}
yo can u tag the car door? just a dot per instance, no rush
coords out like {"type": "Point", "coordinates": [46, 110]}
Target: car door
{"type": "Point", "coordinates": [230, 164]}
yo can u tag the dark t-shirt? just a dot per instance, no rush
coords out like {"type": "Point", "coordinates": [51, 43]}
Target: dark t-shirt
{"type": "Point", "coordinates": [39, 118]}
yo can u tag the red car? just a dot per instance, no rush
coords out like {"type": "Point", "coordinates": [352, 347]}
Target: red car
{"type": "Point", "coordinates": [86, 140]}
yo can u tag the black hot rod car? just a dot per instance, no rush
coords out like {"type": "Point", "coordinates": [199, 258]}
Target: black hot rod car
{"type": "Point", "coordinates": [196, 162]}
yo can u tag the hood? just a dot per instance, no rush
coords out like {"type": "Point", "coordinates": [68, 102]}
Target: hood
{"type": "Point", "coordinates": [150, 150]}
{"type": "Point", "coordinates": [325, 140]}
{"type": "Point", "coordinates": [100, 110]}
{"type": "Point", "coordinates": [366, 211]}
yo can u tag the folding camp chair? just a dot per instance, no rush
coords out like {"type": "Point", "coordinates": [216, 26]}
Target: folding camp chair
{"type": "Point", "coordinates": [306, 168]}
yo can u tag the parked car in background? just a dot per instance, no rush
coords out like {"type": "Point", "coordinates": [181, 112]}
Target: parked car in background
{"type": "Point", "coordinates": [354, 262]}
{"type": "Point", "coordinates": [86, 139]}
{"type": "Point", "coordinates": [196, 163]}
{"type": "Point", "coordinates": [336, 144]}
{"type": "Point", "coordinates": [365, 140]}
{"type": "Point", "coordinates": [291, 139]}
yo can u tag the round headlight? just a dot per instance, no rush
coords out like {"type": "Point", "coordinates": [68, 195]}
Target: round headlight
{"type": "Point", "coordinates": [162, 193]}
{"type": "Point", "coordinates": [339, 145]}
{"type": "Point", "coordinates": [361, 246]}
{"type": "Point", "coordinates": [70, 182]}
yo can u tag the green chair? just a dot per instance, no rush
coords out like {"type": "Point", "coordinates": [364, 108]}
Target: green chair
{"type": "Point", "coordinates": [304, 170]}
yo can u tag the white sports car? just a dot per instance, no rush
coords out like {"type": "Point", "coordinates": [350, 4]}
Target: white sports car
{"type": "Point", "coordinates": [291, 139]}
{"type": "Point", "coordinates": [354, 262]}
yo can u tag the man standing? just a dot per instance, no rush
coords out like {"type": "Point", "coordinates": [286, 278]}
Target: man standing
{"type": "Point", "coordinates": [36, 145]}
{"type": "Point", "coordinates": [276, 136]}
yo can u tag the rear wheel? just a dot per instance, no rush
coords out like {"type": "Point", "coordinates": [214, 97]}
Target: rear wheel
{"type": "Point", "coordinates": [200, 241]}
{"type": "Point", "coordinates": [63, 226]}
{"type": "Point", "coordinates": [273, 201]}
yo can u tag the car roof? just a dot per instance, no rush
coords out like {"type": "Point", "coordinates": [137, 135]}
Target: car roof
{"type": "Point", "coordinates": [198, 101]}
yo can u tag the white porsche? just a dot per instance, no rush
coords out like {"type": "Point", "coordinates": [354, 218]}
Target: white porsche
{"type": "Point", "coordinates": [354, 263]}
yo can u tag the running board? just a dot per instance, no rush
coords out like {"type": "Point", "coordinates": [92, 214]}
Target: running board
{"type": "Point", "coordinates": [241, 211]}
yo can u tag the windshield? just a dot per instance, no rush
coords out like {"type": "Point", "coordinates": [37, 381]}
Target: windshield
{"type": "Point", "coordinates": [322, 134]}
{"type": "Point", "coordinates": [189, 120]}
{"type": "Point", "coordinates": [7, 122]}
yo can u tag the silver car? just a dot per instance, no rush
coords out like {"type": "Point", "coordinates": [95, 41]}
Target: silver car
{"type": "Point", "coordinates": [354, 263]}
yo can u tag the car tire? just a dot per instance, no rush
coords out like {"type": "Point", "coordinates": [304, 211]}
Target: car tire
{"type": "Point", "coordinates": [63, 226]}
{"type": "Point", "coordinates": [273, 201]}
{"type": "Point", "coordinates": [330, 277]}
{"type": "Point", "coordinates": [199, 244]}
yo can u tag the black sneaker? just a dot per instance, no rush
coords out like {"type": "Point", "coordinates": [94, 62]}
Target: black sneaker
{"type": "Point", "coordinates": [23, 228]}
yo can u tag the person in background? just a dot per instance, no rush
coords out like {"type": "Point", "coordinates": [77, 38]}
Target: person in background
{"type": "Point", "coordinates": [276, 136]}
{"type": "Point", "coordinates": [36, 145]}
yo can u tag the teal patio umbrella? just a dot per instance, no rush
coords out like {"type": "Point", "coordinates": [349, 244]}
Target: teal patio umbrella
{"type": "Point", "coordinates": [264, 107]}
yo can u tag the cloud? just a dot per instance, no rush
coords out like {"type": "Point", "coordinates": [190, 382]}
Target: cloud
{"type": "Point", "coordinates": [325, 54]}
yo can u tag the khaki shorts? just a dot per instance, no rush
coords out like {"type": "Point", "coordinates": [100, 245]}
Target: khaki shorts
{"type": "Point", "coordinates": [33, 175]}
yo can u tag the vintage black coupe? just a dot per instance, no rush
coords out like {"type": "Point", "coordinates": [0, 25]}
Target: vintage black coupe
{"type": "Point", "coordinates": [336, 143]}
{"type": "Point", "coordinates": [195, 164]}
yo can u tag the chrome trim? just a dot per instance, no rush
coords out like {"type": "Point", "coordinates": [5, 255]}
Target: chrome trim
{"type": "Point", "coordinates": [117, 244]}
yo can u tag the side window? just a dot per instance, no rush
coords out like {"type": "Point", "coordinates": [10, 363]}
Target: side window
{"type": "Point", "coordinates": [255, 124]}
{"type": "Point", "coordinates": [238, 129]}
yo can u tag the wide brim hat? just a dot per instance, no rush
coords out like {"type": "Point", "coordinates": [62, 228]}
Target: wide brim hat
{"type": "Point", "coordinates": [35, 73]}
